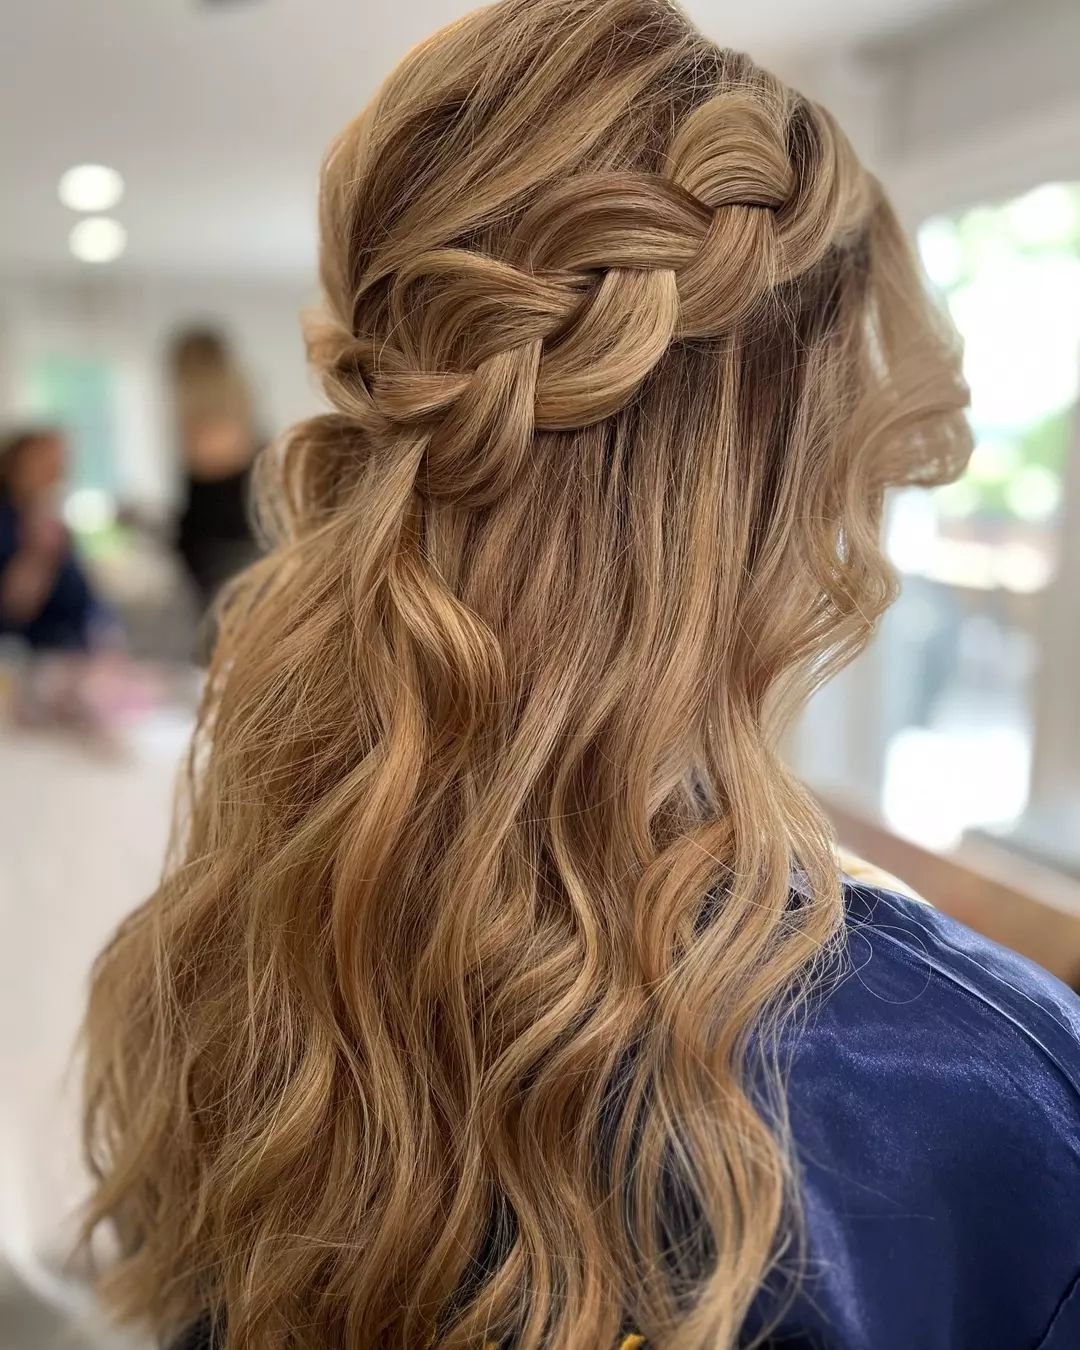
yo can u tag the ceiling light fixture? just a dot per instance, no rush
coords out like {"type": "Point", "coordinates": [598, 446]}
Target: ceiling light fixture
{"type": "Point", "coordinates": [98, 240]}
{"type": "Point", "coordinates": [91, 187]}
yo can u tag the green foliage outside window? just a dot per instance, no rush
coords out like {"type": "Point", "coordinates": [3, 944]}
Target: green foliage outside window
{"type": "Point", "coordinates": [1010, 274]}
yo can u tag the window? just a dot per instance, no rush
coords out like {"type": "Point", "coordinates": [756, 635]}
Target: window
{"type": "Point", "coordinates": [82, 395]}
{"type": "Point", "coordinates": [956, 678]}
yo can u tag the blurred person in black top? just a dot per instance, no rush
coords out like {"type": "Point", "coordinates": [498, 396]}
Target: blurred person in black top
{"type": "Point", "coordinates": [45, 598]}
{"type": "Point", "coordinates": [216, 430]}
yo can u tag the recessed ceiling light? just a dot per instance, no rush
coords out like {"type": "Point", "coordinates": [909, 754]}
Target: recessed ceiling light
{"type": "Point", "coordinates": [98, 240]}
{"type": "Point", "coordinates": [91, 187]}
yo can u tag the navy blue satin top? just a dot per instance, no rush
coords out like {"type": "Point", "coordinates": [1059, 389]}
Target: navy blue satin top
{"type": "Point", "coordinates": [935, 1106]}
{"type": "Point", "coordinates": [934, 1097]}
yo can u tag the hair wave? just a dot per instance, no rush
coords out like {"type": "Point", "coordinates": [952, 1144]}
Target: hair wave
{"type": "Point", "coordinates": [451, 1020]}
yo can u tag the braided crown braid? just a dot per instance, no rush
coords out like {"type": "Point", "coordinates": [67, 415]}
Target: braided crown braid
{"type": "Point", "coordinates": [554, 319]}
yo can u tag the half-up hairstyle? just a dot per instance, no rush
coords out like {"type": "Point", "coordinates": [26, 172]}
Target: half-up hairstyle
{"type": "Point", "coordinates": [453, 1020]}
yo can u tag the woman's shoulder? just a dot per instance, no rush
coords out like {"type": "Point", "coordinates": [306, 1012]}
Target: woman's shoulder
{"type": "Point", "coordinates": [934, 1099]}
{"type": "Point", "coordinates": [912, 967]}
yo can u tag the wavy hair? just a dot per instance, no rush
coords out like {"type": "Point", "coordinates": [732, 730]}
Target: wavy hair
{"type": "Point", "coordinates": [453, 1018]}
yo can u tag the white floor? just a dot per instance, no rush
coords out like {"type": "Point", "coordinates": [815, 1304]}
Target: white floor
{"type": "Point", "coordinates": [27, 1323]}
{"type": "Point", "coordinates": [82, 837]}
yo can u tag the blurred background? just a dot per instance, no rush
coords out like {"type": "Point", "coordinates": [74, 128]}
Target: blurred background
{"type": "Point", "coordinates": [158, 161]}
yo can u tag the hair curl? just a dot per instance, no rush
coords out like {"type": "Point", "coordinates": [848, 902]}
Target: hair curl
{"type": "Point", "coordinates": [451, 1020]}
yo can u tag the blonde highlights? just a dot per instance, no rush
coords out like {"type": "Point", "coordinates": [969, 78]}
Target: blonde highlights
{"type": "Point", "coordinates": [451, 1022]}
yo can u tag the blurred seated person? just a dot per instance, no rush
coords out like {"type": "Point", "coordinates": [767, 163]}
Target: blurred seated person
{"type": "Point", "coordinates": [217, 438]}
{"type": "Point", "coordinates": [45, 598]}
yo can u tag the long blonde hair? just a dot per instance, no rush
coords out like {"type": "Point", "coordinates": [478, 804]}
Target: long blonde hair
{"type": "Point", "coordinates": [213, 407]}
{"type": "Point", "coordinates": [452, 1020]}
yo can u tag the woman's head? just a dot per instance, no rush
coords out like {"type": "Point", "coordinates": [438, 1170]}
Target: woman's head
{"type": "Point", "coordinates": [32, 465]}
{"type": "Point", "coordinates": [544, 207]}
{"type": "Point", "coordinates": [213, 404]}
{"type": "Point", "coordinates": [443, 1025]}
{"type": "Point", "coordinates": [569, 232]}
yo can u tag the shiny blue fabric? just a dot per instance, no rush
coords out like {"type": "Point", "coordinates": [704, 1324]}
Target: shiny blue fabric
{"type": "Point", "coordinates": [934, 1099]}
{"type": "Point", "coordinates": [935, 1106]}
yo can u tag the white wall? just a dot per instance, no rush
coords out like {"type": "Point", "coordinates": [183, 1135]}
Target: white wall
{"type": "Point", "coordinates": [131, 323]}
{"type": "Point", "coordinates": [1000, 66]}
{"type": "Point", "coordinates": [979, 106]}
